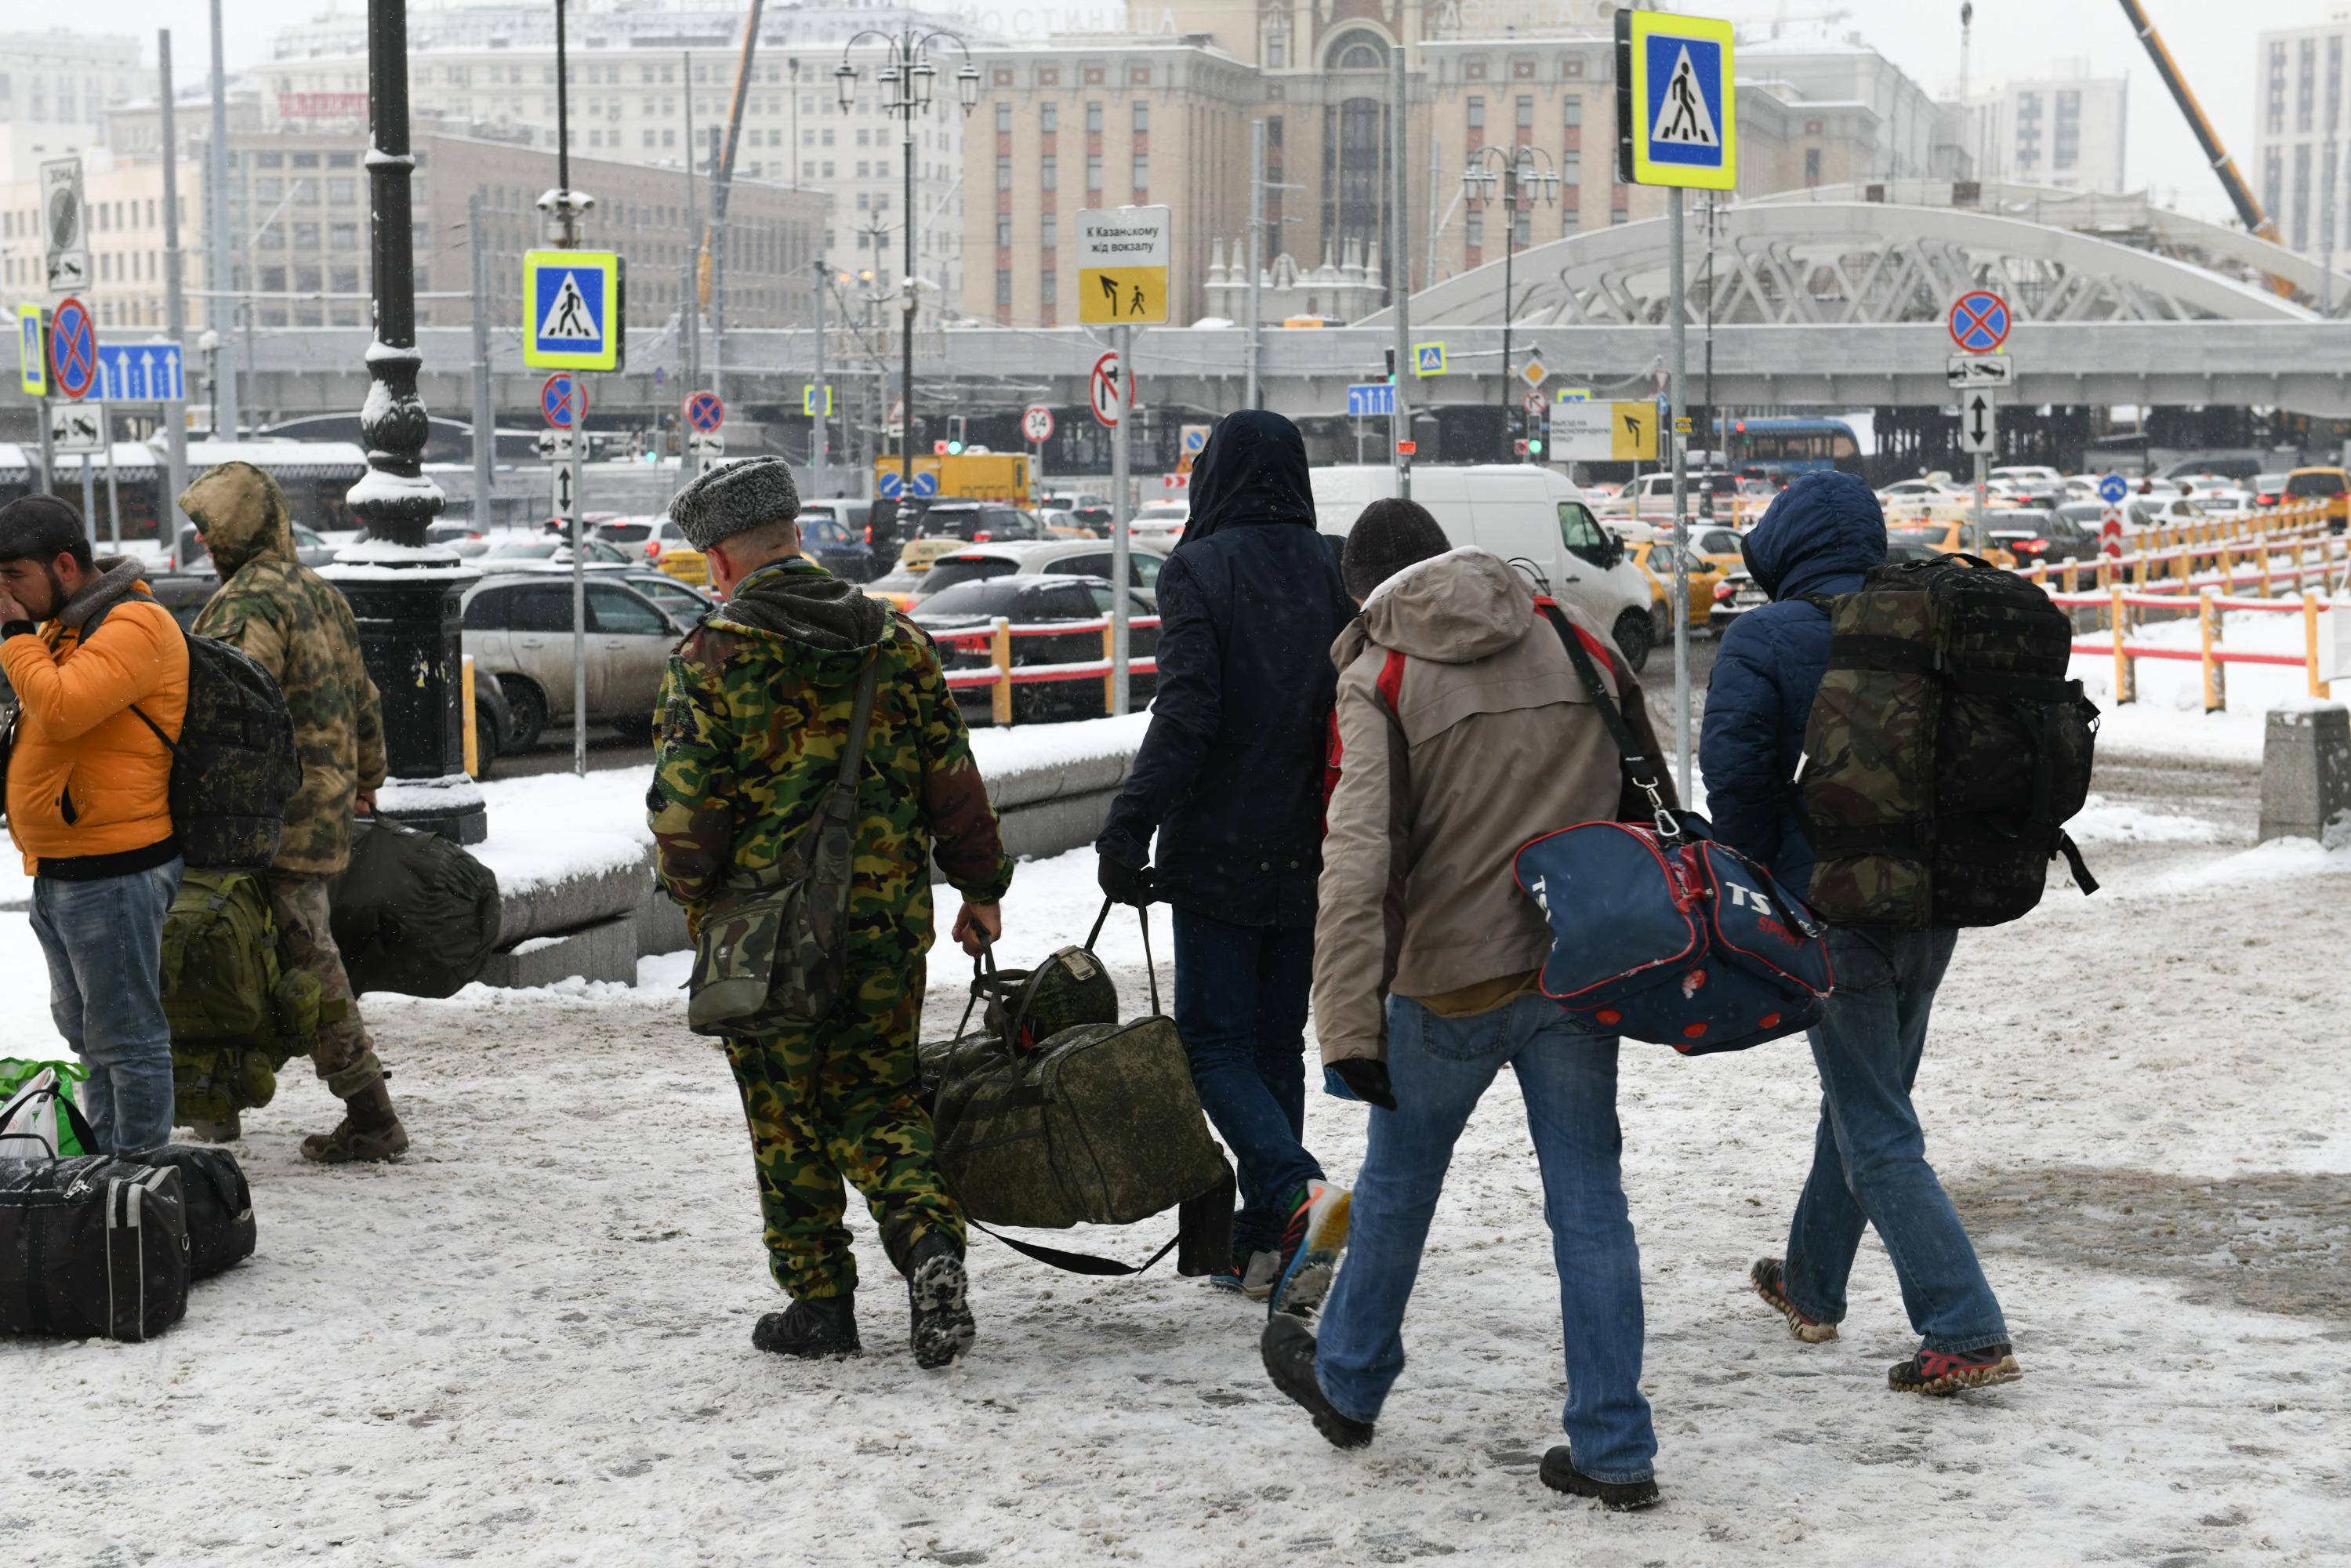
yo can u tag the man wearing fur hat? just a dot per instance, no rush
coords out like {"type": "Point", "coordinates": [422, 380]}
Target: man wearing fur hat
{"type": "Point", "coordinates": [754, 709]}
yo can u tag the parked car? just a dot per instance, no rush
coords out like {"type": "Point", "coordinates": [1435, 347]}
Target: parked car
{"type": "Point", "coordinates": [520, 547]}
{"type": "Point", "coordinates": [854, 515]}
{"type": "Point", "coordinates": [836, 547]}
{"type": "Point", "coordinates": [895, 587]}
{"type": "Point", "coordinates": [1060, 523]}
{"type": "Point", "coordinates": [979, 522]}
{"type": "Point", "coordinates": [518, 629]}
{"type": "Point", "coordinates": [2229, 466]}
{"type": "Point", "coordinates": [1736, 592]}
{"type": "Point", "coordinates": [680, 602]}
{"type": "Point", "coordinates": [1056, 557]}
{"type": "Point", "coordinates": [1532, 517]}
{"type": "Point", "coordinates": [2269, 489]}
{"type": "Point", "coordinates": [184, 593]}
{"type": "Point", "coordinates": [312, 550]}
{"type": "Point", "coordinates": [463, 538]}
{"type": "Point", "coordinates": [2332, 485]}
{"type": "Point", "coordinates": [2037, 537]}
{"type": "Point", "coordinates": [1028, 600]}
{"type": "Point", "coordinates": [1159, 523]}
{"type": "Point", "coordinates": [1948, 535]}
{"type": "Point", "coordinates": [1656, 557]}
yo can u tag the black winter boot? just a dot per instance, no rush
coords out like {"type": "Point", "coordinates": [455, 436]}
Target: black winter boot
{"type": "Point", "coordinates": [1559, 1474]}
{"type": "Point", "coordinates": [938, 1292]}
{"type": "Point", "coordinates": [812, 1328]}
{"type": "Point", "coordinates": [1287, 1348]}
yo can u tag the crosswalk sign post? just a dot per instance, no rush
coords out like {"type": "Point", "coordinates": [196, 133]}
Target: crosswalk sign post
{"type": "Point", "coordinates": [1428, 359]}
{"type": "Point", "coordinates": [576, 306]}
{"type": "Point", "coordinates": [32, 351]}
{"type": "Point", "coordinates": [1123, 257]}
{"type": "Point", "coordinates": [1676, 126]}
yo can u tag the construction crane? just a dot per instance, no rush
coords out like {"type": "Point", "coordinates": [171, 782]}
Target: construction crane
{"type": "Point", "coordinates": [2248, 209]}
{"type": "Point", "coordinates": [722, 169]}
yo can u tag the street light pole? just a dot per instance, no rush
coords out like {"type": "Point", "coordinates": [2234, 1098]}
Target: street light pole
{"type": "Point", "coordinates": [175, 304]}
{"type": "Point", "coordinates": [906, 78]}
{"type": "Point", "coordinates": [1519, 168]}
{"type": "Point", "coordinates": [403, 594]}
{"type": "Point", "coordinates": [223, 273]}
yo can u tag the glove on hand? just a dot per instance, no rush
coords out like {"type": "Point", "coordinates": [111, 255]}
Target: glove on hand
{"type": "Point", "coordinates": [1126, 884]}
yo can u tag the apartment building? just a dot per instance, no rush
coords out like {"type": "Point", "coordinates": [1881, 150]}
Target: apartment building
{"type": "Point", "coordinates": [2067, 132]}
{"type": "Point", "coordinates": [125, 200]}
{"type": "Point", "coordinates": [55, 86]}
{"type": "Point", "coordinates": [2296, 166]}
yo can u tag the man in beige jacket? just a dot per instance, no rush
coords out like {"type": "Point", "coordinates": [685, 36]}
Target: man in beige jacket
{"type": "Point", "coordinates": [1464, 730]}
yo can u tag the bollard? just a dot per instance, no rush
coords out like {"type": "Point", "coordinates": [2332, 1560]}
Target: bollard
{"type": "Point", "coordinates": [2125, 689]}
{"type": "Point", "coordinates": [2306, 771]}
{"type": "Point", "coordinates": [473, 763]}
{"type": "Point", "coordinates": [1000, 695]}
{"type": "Point", "coordinates": [2310, 608]}
{"type": "Point", "coordinates": [2207, 634]}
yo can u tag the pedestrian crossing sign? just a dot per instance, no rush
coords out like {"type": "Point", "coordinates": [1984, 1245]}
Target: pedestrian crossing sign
{"type": "Point", "coordinates": [578, 307]}
{"type": "Point", "coordinates": [1677, 109]}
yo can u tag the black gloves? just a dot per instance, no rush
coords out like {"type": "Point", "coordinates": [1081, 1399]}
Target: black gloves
{"type": "Point", "coordinates": [1124, 884]}
{"type": "Point", "coordinates": [1368, 1077]}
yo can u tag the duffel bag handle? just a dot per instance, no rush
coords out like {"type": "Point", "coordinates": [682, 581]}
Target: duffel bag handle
{"type": "Point", "coordinates": [1150, 968]}
{"type": "Point", "coordinates": [1642, 771]}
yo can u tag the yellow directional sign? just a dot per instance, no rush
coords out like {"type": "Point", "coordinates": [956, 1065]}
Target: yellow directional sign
{"type": "Point", "coordinates": [32, 351]}
{"type": "Point", "coordinates": [809, 390]}
{"type": "Point", "coordinates": [1604, 432]}
{"type": "Point", "coordinates": [1633, 432]}
{"type": "Point", "coordinates": [1123, 254]}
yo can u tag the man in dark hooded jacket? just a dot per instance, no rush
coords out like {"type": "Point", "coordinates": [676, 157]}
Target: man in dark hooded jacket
{"type": "Point", "coordinates": [1230, 777]}
{"type": "Point", "coordinates": [1869, 1156]}
{"type": "Point", "coordinates": [754, 709]}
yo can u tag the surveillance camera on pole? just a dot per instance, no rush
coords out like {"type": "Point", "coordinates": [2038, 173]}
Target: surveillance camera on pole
{"type": "Point", "coordinates": [565, 210]}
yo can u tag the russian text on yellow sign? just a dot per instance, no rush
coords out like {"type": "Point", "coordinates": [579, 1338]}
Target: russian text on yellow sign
{"type": "Point", "coordinates": [1649, 170]}
{"type": "Point", "coordinates": [1123, 296]}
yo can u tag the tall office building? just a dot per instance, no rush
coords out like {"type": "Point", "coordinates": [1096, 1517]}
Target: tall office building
{"type": "Point", "coordinates": [2066, 131]}
{"type": "Point", "coordinates": [2299, 125]}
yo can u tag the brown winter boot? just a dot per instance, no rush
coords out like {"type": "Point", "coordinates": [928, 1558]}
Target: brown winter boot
{"type": "Point", "coordinates": [369, 1132]}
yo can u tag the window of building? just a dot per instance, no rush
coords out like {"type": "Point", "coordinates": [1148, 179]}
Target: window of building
{"type": "Point", "coordinates": [1473, 230]}
{"type": "Point", "coordinates": [268, 187]}
{"type": "Point", "coordinates": [1142, 172]}
{"type": "Point", "coordinates": [1093, 119]}
{"type": "Point", "coordinates": [1277, 51]}
{"type": "Point", "coordinates": [306, 237]}
{"type": "Point", "coordinates": [1050, 175]}
{"type": "Point", "coordinates": [1572, 111]}
{"type": "Point", "coordinates": [1003, 286]}
{"type": "Point", "coordinates": [1571, 170]}
{"type": "Point", "coordinates": [1048, 118]}
{"type": "Point", "coordinates": [1046, 236]}
{"type": "Point", "coordinates": [2306, 71]}
{"type": "Point", "coordinates": [1526, 114]}
{"type": "Point", "coordinates": [1003, 172]}
{"type": "Point", "coordinates": [1003, 231]}
{"type": "Point", "coordinates": [1811, 166]}
{"type": "Point", "coordinates": [1049, 286]}
{"type": "Point", "coordinates": [1141, 120]}
{"type": "Point", "coordinates": [1477, 113]}
{"type": "Point", "coordinates": [864, 134]}
{"type": "Point", "coordinates": [1093, 172]}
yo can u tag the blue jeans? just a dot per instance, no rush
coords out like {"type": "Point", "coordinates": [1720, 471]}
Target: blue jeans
{"type": "Point", "coordinates": [104, 942]}
{"type": "Point", "coordinates": [1869, 1157]}
{"type": "Point", "coordinates": [1439, 1069]}
{"type": "Point", "coordinates": [1240, 1005]}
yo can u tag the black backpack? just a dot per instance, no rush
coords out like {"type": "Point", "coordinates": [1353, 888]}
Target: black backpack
{"type": "Point", "coordinates": [235, 766]}
{"type": "Point", "coordinates": [1946, 749]}
{"type": "Point", "coordinates": [413, 912]}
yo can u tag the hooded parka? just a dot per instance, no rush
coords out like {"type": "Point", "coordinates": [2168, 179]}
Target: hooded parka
{"type": "Point", "coordinates": [1229, 775]}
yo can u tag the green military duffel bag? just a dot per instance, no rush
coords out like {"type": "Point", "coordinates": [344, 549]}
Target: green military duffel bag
{"type": "Point", "coordinates": [237, 1012]}
{"type": "Point", "coordinates": [1098, 1124]}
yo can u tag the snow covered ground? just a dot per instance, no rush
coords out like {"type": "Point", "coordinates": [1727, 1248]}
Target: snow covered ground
{"type": "Point", "coordinates": [529, 1343]}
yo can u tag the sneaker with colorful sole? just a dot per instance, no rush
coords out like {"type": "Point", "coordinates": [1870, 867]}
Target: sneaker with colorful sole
{"type": "Point", "coordinates": [1769, 1278]}
{"type": "Point", "coordinates": [1945, 1373]}
{"type": "Point", "coordinates": [1310, 1245]}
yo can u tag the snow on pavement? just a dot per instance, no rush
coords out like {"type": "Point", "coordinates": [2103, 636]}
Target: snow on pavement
{"type": "Point", "coordinates": [529, 1343]}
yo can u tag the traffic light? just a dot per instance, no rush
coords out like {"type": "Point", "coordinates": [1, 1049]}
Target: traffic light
{"type": "Point", "coordinates": [956, 425]}
{"type": "Point", "coordinates": [1391, 358]}
{"type": "Point", "coordinates": [1533, 445]}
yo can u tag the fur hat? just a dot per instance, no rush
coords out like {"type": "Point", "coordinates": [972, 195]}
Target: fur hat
{"type": "Point", "coordinates": [735, 498]}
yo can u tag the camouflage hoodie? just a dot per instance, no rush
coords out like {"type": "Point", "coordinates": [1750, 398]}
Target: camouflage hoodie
{"type": "Point", "coordinates": [755, 707]}
{"type": "Point", "coordinates": [298, 628]}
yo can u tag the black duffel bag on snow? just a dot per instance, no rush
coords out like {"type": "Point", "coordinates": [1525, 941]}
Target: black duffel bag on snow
{"type": "Point", "coordinates": [218, 1204]}
{"type": "Point", "coordinates": [413, 912]}
{"type": "Point", "coordinates": [1096, 1123]}
{"type": "Point", "coordinates": [92, 1247]}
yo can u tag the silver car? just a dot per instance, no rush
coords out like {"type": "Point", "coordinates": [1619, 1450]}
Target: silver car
{"type": "Point", "coordinates": [518, 629]}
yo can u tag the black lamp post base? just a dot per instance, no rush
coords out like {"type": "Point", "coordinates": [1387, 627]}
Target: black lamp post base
{"type": "Point", "coordinates": [406, 601]}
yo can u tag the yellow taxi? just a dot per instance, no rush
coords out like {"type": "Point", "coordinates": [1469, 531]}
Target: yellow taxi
{"type": "Point", "coordinates": [2332, 485]}
{"type": "Point", "coordinates": [916, 554]}
{"type": "Point", "coordinates": [1655, 559]}
{"type": "Point", "coordinates": [896, 587]}
{"type": "Point", "coordinates": [685, 563]}
{"type": "Point", "coordinates": [1949, 536]}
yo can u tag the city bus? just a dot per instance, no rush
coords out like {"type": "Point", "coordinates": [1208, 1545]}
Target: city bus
{"type": "Point", "coordinates": [1769, 448]}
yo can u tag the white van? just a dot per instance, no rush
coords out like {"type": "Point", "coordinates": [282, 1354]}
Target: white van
{"type": "Point", "coordinates": [1533, 518]}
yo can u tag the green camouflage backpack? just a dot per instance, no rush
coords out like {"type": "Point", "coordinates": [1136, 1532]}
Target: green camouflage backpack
{"type": "Point", "coordinates": [772, 952]}
{"type": "Point", "coordinates": [236, 1012]}
{"type": "Point", "coordinates": [1945, 751]}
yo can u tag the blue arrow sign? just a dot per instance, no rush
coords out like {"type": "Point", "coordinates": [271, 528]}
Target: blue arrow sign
{"type": "Point", "coordinates": [2113, 488]}
{"type": "Point", "coordinates": [141, 372]}
{"type": "Point", "coordinates": [891, 487]}
{"type": "Point", "coordinates": [1371, 399]}
{"type": "Point", "coordinates": [927, 484]}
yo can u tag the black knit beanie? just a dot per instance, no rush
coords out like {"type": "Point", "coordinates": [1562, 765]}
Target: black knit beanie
{"type": "Point", "coordinates": [41, 528]}
{"type": "Point", "coordinates": [1390, 536]}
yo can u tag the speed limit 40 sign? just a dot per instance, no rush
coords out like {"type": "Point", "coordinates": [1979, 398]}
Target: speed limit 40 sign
{"type": "Point", "coordinates": [1037, 422]}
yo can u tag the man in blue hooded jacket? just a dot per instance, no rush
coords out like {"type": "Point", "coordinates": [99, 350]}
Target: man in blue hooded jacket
{"type": "Point", "coordinates": [1230, 778]}
{"type": "Point", "coordinates": [1869, 1156]}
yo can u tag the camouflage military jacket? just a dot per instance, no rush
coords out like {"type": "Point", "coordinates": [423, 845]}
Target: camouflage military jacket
{"type": "Point", "coordinates": [755, 708]}
{"type": "Point", "coordinates": [295, 625]}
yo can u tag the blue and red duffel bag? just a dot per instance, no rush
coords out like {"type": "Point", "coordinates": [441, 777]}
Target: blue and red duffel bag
{"type": "Point", "coordinates": [1659, 934]}
{"type": "Point", "coordinates": [1681, 941]}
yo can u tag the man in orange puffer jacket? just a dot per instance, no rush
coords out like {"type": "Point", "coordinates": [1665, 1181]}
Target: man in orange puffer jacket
{"type": "Point", "coordinates": [89, 793]}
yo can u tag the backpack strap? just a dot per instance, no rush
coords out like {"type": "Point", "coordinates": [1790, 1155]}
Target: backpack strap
{"type": "Point", "coordinates": [90, 628]}
{"type": "Point", "coordinates": [1150, 968]}
{"type": "Point", "coordinates": [1641, 771]}
{"type": "Point", "coordinates": [1204, 1232]}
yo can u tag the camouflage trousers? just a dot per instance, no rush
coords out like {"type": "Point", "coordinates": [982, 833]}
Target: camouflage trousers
{"type": "Point", "coordinates": [342, 1053]}
{"type": "Point", "coordinates": [835, 1103]}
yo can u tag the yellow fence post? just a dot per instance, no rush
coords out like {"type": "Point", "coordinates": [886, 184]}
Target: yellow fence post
{"type": "Point", "coordinates": [472, 757]}
{"type": "Point", "coordinates": [1110, 681]}
{"type": "Point", "coordinates": [1000, 695]}
{"type": "Point", "coordinates": [2318, 688]}
{"type": "Point", "coordinates": [2207, 634]}
{"type": "Point", "coordinates": [2125, 690]}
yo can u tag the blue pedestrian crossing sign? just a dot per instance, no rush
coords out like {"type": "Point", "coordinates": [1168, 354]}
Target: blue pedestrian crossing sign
{"type": "Point", "coordinates": [1371, 399]}
{"type": "Point", "coordinates": [32, 352]}
{"type": "Point", "coordinates": [1675, 101]}
{"type": "Point", "coordinates": [141, 372]}
{"type": "Point", "coordinates": [1428, 359]}
{"type": "Point", "coordinates": [578, 309]}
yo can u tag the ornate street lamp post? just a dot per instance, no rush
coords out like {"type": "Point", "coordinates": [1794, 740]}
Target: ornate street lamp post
{"type": "Point", "coordinates": [1522, 172]}
{"type": "Point", "coordinates": [906, 78]}
{"type": "Point", "coordinates": [404, 592]}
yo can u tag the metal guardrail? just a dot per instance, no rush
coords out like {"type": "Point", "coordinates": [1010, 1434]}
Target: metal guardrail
{"type": "Point", "coordinates": [999, 680]}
